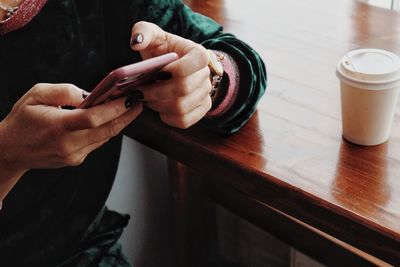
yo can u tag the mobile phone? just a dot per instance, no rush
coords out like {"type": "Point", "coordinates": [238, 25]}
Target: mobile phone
{"type": "Point", "coordinates": [122, 81]}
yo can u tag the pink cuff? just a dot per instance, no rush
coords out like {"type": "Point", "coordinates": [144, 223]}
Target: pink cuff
{"type": "Point", "coordinates": [24, 14]}
{"type": "Point", "coordinates": [231, 73]}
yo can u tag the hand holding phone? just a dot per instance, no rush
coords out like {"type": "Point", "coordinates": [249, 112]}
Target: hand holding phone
{"type": "Point", "coordinates": [124, 80]}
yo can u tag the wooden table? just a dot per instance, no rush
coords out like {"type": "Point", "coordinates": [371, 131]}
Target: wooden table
{"type": "Point", "coordinates": [288, 170]}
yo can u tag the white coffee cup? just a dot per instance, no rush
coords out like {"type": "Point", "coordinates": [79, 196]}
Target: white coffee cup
{"type": "Point", "coordinates": [370, 83]}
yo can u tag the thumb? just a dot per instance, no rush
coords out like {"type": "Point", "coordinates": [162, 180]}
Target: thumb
{"type": "Point", "coordinates": [150, 39]}
{"type": "Point", "coordinates": [57, 94]}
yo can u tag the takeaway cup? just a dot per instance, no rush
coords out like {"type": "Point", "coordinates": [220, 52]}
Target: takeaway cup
{"type": "Point", "coordinates": [370, 83]}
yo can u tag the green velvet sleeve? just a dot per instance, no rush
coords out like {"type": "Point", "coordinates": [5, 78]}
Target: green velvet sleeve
{"type": "Point", "coordinates": [173, 16]}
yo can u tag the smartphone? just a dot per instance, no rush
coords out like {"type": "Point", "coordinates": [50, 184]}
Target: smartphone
{"type": "Point", "coordinates": [122, 81]}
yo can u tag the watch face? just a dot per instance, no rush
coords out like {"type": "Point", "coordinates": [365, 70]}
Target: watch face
{"type": "Point", "coordinates": [214, 64]}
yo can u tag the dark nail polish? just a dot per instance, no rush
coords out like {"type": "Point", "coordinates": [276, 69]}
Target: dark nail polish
{"type": "Point", "coordinates": [129, 102]}
{"type": "Point", "coordinates": [68, 107]}
{"type": "Point", "coordinates": [163, 76]}
{"type": "Point", "coordinates": [137, 39]}
{"type": "Point", "coordinates": [135, 96]}
{"type": "Point", "coordinates": [84, 94]}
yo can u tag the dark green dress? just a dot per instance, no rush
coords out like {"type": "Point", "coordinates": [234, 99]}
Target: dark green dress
{"type": "Point", "coordinates": [57, 217]}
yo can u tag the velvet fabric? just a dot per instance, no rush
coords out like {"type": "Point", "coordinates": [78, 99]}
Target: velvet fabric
{"type": "Point", "coordinates": [57, 217]}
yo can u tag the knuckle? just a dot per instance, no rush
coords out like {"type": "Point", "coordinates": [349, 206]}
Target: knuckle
{"type": "Point", "coordinates": [182, 70]}
{"type": "Point", "coordinates": [63, 149]}
{"type": "Point", "coordinates": [37, 87]}
{"type": "Point", "coordinates": [207, 73]}
{"type": "Point", "coordinates": [183, 122]}
{"type": "Point", "coordinates": [115, 128]}
{"type": "Point", "coordinates": [40, 85]}
{"type": "Point", "coordinates": [92, 121]}
{"type": "Point", "coordinates": [182, 88]}
{"type": "Point", "coordinates": [65, 91]}
{"type": "Point", "coordinates": [69, 88]}
{"type": "Point", "coordinates": [180, 107]}
{"type": "Point", "coordinates": [116, 110]}
{"type": "Point", "coordinates": [72, 160]}
{"type": "Point", "coordinates": [81, 159]}
{"type": "Point", "coordinates": [201, 52]}
{"type": "Point", "coordinates": [180, 122]}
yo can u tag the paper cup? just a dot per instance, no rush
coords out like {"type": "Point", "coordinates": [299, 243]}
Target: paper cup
{"type": "Point", "coordinates": [370, 83]}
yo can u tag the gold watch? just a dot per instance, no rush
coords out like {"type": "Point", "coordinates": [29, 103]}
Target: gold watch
{"type": "Point", "coordinates": [216, 71]}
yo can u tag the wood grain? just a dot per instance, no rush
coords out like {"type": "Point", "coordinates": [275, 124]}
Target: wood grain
{"type": "Point", "coordinates": [291, 155]}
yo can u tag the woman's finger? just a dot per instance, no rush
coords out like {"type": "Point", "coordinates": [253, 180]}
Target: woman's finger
{"type": "Point", "coordinates": [189, 119]}
{"type": "Point", "coordinates": [150, 40]}
{"type": "Point", "coordinates": [75, 146]}
{"type": "Point", "coordinates": [105, 132]}
{"type": "Point", "coordinates": [175, 88]}
{"type": "Point", "coordinates": [184, 104]}
{"type": "Point", "coordinates": [194, 59]}
{"type": "Point", "coordinates": [95, 116]}
{"type": "Point", "coordinates": [84, 152]}
{"type": "Point", "coordinates": [55, 95]}
{"type": "Point", "coordinates": [147, 36]}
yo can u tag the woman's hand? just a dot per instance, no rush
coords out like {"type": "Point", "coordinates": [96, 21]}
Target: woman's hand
{"type": "Point", "coordinates": [38, 133]}
{"type": "Point", "coordinates": [184, 99]}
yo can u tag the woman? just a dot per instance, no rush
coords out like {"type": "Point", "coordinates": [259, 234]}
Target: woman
{"type": "Point", "coordinates": [57, 165]}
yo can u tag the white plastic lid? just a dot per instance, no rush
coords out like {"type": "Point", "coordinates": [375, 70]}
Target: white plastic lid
{"type": "Point", "coordinates": [370, 68]}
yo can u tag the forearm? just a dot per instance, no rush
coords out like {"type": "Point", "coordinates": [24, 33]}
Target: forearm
{"type": "Point", "coordinates": [8, 178]}
{"type": "Point", "coordinates": [9, 173]}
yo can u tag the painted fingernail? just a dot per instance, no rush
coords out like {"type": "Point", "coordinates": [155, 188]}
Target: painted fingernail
{"type": "Point", "coordinates": [84, 94]}
{"type": "Point", "coordinates": [68, 107]}
{"type": "Point", "coordinates": [137, 39]}
{"type": "Point", "coordinates": [133, 98]}
{"type": "Point", "coordinates": [129, 102]}
{"type": "Point", "coordinates": [163, 76]}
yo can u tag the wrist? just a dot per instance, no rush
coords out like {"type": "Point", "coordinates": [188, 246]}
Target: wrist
{"type": "Point", "coordinates": [8, 178]}
{"type": "Point", "coordinates": [9, 170]}
{"type": "Point", "coordinates": [8, 166]}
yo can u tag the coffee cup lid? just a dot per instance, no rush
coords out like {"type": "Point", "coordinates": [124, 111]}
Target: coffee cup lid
{"type": "Point", "coordinates": [370, 67]}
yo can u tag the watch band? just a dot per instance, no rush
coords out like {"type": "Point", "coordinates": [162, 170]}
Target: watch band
{"type": "Point", "coordinates": [216, 71]}
{"type": "Point", "coordinates": [228, 89]}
